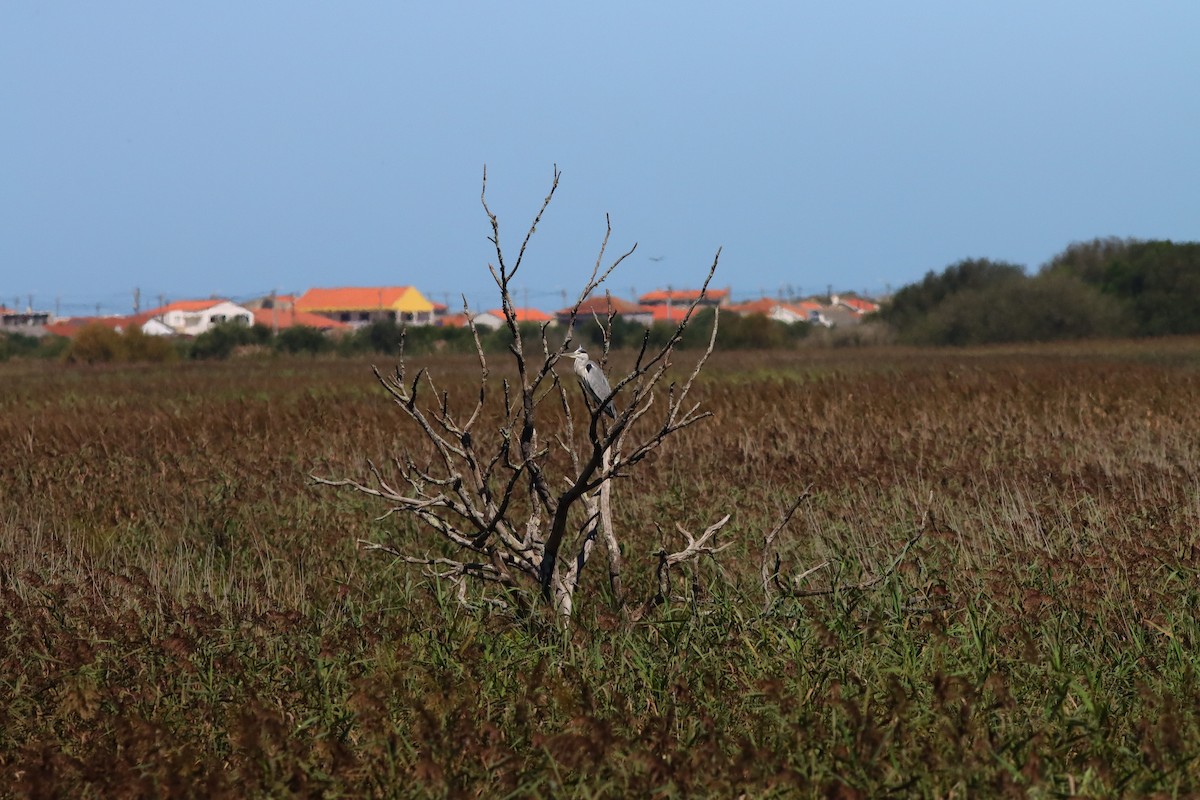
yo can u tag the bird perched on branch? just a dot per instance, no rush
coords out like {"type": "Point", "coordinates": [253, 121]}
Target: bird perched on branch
{"type": "Point", "coordinates": [591, 378]}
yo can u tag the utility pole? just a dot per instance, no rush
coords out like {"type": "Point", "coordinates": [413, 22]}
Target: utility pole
{"type": "Point", "coordinates": [137, 300]}
{"type": "Point", "coordinates": [57, 303]}
{"type": "Point", "coordinates": [274, 314]}
{"type": "Point", "coordinates": [30, 306]}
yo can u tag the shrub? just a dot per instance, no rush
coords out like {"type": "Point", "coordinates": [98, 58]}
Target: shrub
{"type": "Point", "coordinates": [302, 339]}
{"type": "Point", "coordinates": [1046, 308]}
{"type": "Point", "coordinates": [384, 337]}
{"type": "Point", "coordinates": [19, 345]}
{"type": "Point", "coordinates": [100, 344]}
{"type": "Point", "coordinates": [140, 346]}
{"type": "Point", "coordinates": [221, 340]}
{"type": "Point", "coordinates": [918, 300]}
{"type": "Point", "coordinates": [96, 344]}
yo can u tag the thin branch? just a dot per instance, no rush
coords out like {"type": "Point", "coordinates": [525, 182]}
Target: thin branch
{"type": "Point", "coordinates": [787, 590]}
{"type": "Point", "coordinates": [765, 571]}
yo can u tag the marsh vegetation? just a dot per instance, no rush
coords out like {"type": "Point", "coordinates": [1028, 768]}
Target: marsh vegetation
{"type": "Point", "coordinates": [183, 611]}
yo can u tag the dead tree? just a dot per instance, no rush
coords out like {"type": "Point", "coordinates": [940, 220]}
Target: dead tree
{"type": "Point", "coordinates": [513, 520]}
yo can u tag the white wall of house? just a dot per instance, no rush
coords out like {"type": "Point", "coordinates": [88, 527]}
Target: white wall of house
{"type": "Point", "coordinates": [156, 327]}
{"type": "Point", "coordinates": [359, 319]}
{"type": "Point", "coordinates": [486, 320]}
{"type": "Point", "coordinates": [786, 315]}
{"type": "Point", "coordinates": [193, 323]}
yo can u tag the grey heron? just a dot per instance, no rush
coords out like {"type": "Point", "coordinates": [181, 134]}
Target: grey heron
{"type": "Point", "coordinates": [592, 379]}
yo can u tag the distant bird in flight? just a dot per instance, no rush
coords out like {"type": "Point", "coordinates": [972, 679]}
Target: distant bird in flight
{"type": "Point", "coordinates": [657, 258]}
{"type": "Point", "coordinates": [592, 380]}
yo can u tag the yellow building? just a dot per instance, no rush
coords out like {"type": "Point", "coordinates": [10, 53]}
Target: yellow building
{"type": "Point", "coordinates": [361, 305]}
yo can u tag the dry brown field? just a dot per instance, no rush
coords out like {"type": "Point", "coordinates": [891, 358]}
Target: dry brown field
{"type": "Point", "coordinates": [185, 613]}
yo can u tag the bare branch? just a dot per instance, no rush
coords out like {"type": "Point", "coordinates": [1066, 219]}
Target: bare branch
{"type": "Point", "coordinates": [495, 496]}
{"type": "Point", "coordinates": [767, 574]}
{"type": "Point", "coordinates": [696, 547]}
{"type": "Point", "coordinates": [788, 588]}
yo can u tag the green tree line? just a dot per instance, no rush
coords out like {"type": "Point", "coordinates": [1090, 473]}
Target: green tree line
{"type": "Point", "coordinates": [100, 344]}
{"type": "Point", "coordinates": [1102, 288]}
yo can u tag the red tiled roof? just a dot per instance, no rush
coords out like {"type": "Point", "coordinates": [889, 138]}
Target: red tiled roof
{"type": "Point", "coordinates": [289, 317]}
{"type": "Point", "coordinates": [71, 327]}
{"type": "Point", "coordinates": [523, 314]}
{"type": "Point", "coordinates": [764, 306]}
{"type": "Point", "coordinates": [665, 313]}
{"type": "Point", "coordinates": [859, 305]}
{"type": "Point", "coordinates": [683, 296]}
{"type": "Point", "coordinates": [453, 321]}
{"type": "Point", "coordinates": [600, 306]}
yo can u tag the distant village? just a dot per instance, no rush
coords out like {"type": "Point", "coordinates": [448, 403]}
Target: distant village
{"type": "Point", "coordinates": [335, 310]}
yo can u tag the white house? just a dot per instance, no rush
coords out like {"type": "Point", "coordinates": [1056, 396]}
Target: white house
{"type": "Point", "coordinates": [193, 317]}
{"type": "Point", "coordinates": [156, 327]}
{"type": "Point", "coordinates": [804, 311]}
{"type": "Point", "coordinates": [491, 320]}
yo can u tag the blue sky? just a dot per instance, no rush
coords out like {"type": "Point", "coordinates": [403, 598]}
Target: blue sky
{"type": "Point", "coordinates": [192, 149]}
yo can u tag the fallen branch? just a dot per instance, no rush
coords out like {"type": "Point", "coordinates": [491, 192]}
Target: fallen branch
{"type": "Point", "coordinates": [787, 588]}
{"type": "Point", "coordinates": [696, 548]}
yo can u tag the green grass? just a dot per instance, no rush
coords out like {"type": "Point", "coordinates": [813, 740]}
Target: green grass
{"type": "Point", "coordinates": [183, 613]}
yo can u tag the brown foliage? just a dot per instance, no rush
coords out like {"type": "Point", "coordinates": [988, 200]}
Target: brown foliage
{"type": "Point", "coordinates": [99, 344]}
{"type": "Point", "coordinates": [180, 614]}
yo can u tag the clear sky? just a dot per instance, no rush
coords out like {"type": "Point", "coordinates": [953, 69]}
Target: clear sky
{"type": "Point", "coordinates": [232, 148]}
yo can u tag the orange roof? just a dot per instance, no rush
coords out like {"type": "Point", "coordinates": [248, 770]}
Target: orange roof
{"type": "Point", "coordinates": [665, 313]}
{"type": "Point", "coordinates": [764, 306]}
{"type": "Point", "coordinates": [523, 314]}
{"type": "Point", "coordinates": [862, 306]}
{"type": "Point", "coordinates": [453, 321]}
{"type": "Point", "coordinates": [364, 298]}
{"type": "Point", "coordinates": [289, 317]}
{"type": "Point", "coordinates": [683, 296]}
{"type": "Point", "coordinates": [70, 327]}
{"type": "Point", "coordinates": [600, 306]}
